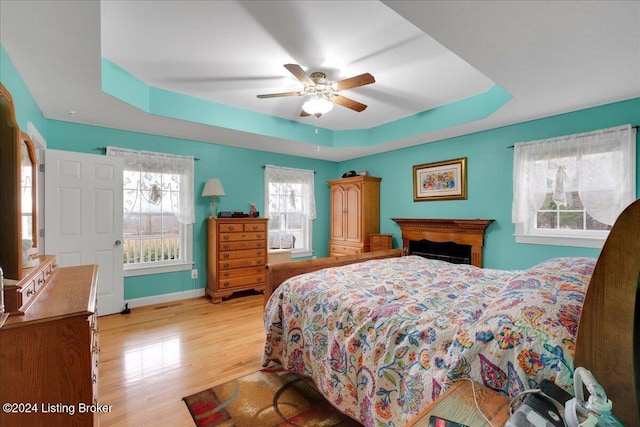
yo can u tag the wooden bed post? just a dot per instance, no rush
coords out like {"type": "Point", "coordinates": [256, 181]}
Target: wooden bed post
{"type": "Point", "coordinates": [608, 341]}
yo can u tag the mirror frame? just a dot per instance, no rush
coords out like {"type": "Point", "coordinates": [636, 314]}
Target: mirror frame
{"type": "Point", "coordinates": [10, 170]}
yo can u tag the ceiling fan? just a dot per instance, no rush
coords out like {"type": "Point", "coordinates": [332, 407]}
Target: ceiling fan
{"type": "Point", "coordinates": [323, 92]}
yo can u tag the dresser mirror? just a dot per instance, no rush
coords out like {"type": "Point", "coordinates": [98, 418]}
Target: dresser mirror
{"type": "Point", "coordinates": [18, 190]}
{"type": "Point", "coordinates": [28, 194]}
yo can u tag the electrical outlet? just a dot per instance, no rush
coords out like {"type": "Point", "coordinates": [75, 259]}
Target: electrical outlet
{"type": "Point", "coordinates": [194, 273]}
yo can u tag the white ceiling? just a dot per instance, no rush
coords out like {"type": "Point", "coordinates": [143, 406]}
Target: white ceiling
{"type": "Point", "coordinates": [552, 57]}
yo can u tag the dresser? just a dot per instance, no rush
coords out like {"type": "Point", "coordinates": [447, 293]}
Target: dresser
{"type": "Point", "coordinates": [49, 354]}
{"type": "Point", "coordinates": [19, 294]}
{"type": "Point", "coordinates": [355, 214]}
{"type": "Point", "coordinates": [236, 256]}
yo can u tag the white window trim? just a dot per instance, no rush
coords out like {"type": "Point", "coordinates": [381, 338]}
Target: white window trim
{"type": "Point", "coordinates": [141, 269]}
{"type": "Point", "coordinates": [526, 233]}
{"type": "Point", "coordinates": [295, 253]}
{"type": "Point", "coordinates": [591, 239]}
{"type": "Point", "coordinates": [185, 215]}
{"type": "Point", "coordinates": [301, 253]}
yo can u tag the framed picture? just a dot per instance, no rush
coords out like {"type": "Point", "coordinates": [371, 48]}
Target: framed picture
{"type": "Point", "coordinates": [440, 180]}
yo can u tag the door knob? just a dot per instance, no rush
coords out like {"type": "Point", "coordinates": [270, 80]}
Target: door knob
{"type": "Point", "coordinates": [118, 242]}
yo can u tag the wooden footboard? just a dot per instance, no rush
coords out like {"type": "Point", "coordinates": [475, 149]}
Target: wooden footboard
{"type": "Point", "coordinates": [608, 341]}
{"type": "Point", "coordinates": [278, 273]}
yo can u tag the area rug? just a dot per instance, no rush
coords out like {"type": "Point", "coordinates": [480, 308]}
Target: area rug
{"type": "Point", "coordinates": [267, 398]}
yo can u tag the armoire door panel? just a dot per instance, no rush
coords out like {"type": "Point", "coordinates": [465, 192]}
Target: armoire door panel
{"type": "Point", "coordinates": [353, 232]}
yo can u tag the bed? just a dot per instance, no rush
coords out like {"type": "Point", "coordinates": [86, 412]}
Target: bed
{"type": "Point", "coordinates": [382, 336]}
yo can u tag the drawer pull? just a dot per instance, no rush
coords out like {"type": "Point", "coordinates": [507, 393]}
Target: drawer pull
{"type": "Point", "coordinates": [258, 252]}
{"type": "Point", "coordinates": [259, 244]}
{"type": "Point", "coordinates": [225, 265]}
{"type": "Point", "coordinates": [231, 228]}
{"type": "Point", "coordinates": [255, 228]}
{"type": "Point", "coordinates": [225, 256]}
{"type": "Point", "coordinates": [225, 247]}
{"type": "Point", "coordinates": [40, 281]}
{"type": "Point", "coordinates": [259, 235]}
{"type": "Point", "coordinates": [95, 379]}
{"type": "Point", "coordinates": [226, 237]}
{"type": "Point", "coordinates": [30, 292]}
{"type": "Point", "coordinates": [225, 284]}
{"type": "Point", "coordinates": [225, 274]}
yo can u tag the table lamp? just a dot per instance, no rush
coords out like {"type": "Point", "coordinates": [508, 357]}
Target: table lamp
{"type": "Point", "coordinates": [213, 188]}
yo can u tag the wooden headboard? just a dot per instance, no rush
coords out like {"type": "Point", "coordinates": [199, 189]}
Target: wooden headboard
{"type": "Point", "coordinates": [278, 273]}
{"type": "Point", "coordinates": [608, 342]}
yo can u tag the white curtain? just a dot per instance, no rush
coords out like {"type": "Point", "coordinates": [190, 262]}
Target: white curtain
{"type": "Point", "coordinates": [276, 174]}
{"type": "Point", "coordinates": [155, 164]}
{"type": "Point", "coordinates": [599, 165]}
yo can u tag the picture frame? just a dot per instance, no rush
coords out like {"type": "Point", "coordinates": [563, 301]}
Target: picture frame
{"type": "Point", "coordinates": [445, 180]}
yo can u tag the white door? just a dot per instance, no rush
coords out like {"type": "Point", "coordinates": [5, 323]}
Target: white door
{"type": "Point", "coordinates": [83, 218]}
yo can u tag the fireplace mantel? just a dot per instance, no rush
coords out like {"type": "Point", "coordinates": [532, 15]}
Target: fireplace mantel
{"type": "Point", "coordinates": [461, 231]}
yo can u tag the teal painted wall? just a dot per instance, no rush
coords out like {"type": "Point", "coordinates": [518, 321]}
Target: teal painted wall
{"type": "Point", "coordinates": [489, 180]}
{"type": "Point", "coordinates": [240, 171]}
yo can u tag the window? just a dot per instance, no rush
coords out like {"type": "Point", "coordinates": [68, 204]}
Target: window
{"type": "Point", "coordinates": [290, 207]}
{"type": "Point", "coordinates": [158, 211]}
{"type": "Point", "coordinates": [570, 190]}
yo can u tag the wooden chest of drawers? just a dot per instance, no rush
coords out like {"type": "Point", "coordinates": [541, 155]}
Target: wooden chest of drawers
{"type": "Point", "coordinates": [236, 255]}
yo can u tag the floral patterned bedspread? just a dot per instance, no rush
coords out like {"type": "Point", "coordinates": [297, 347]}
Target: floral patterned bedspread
{"type": "Point", "coordinates": [384, 338]}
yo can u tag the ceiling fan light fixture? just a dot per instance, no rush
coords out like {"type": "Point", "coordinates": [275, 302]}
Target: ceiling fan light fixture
{"type": "Point", "coordinates": [317, 105]}
{"type": "Point", "coordinates": [323, 93]}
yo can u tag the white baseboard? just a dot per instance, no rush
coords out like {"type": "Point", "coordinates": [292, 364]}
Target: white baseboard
{"type": "Point", "coordinates": [158, 299]}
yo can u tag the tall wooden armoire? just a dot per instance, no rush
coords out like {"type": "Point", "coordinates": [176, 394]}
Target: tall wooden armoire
{"type": "Point", "coordinates": [355, 214]}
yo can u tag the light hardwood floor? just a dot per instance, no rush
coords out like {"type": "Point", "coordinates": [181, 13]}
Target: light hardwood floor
{"type": "Point", "coordinates": [152, 358]}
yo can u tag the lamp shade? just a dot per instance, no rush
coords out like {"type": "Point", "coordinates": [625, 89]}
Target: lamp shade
{"type": "Point", "coordinates": [213, 188]}
{"type": "Point", "coordinates": [318, 105]}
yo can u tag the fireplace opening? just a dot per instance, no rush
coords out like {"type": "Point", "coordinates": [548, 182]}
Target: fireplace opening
{"type": "Point", "coordinates": [444, 251]}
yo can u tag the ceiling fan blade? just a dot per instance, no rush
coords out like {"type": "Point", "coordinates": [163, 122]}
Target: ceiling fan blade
{"type": "Point", "coordinates": [361, 80]}
{"type": "Point", "coordinates": [277, 95]}
{"type": "Point", "coordinates": [297, 71]}
{"type": "Point", "coordinates": [349, 103]}
{"type": "Point", "coordinates": [304, 113]}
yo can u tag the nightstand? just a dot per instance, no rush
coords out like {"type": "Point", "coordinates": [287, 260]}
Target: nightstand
{"type": "Point", "coordinates": [457, 405]}
{"type": "Point", "coordinates": [380, 242]}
